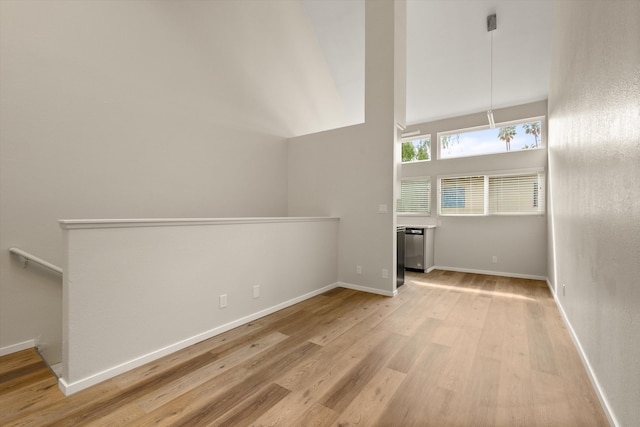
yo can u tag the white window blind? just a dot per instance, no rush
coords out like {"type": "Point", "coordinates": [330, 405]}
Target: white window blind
{"type": "Point", "coordinates": [462, 195]}
{"type": "Point", "coordinates": [415, 196]}
{"type": "Point", "coordinates": [519, 194]}
{"type": "Point", "coordinates": [514, 194]}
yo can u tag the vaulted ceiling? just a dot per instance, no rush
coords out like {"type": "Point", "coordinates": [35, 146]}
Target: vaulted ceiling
{"type": "Point", "coordinates": [449, 57]}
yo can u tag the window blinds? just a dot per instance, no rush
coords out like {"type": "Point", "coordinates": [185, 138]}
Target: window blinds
{"type": "Point", "coordinates": [415, 196]}
{"type": "Point", "coordinates": [462, 195]}
{"type": "Point", "coordinates": [518, 194]}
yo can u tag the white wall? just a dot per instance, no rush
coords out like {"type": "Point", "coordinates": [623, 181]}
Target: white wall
{"type": "Point", "coordinates": [114, 109]}
{"type": "Point", "coordinates": [469, 243]}
{"type": "Point", "coordinates": [136, 291]}
{"type": "Point", "coordinates": [594, 162]}
{"type": "Point", "coordinates": [349, 172]}
{"type": "Point", "coordinates": [332, 175]}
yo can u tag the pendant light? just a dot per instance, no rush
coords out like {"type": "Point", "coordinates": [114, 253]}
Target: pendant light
{"type": "Point", "coordinates": [492, 24]}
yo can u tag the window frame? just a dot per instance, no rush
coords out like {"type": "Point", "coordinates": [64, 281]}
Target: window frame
{"type": "Point", "coordinates": [541, 119]}
{"type": "Point", "coordinates": [539, 196]}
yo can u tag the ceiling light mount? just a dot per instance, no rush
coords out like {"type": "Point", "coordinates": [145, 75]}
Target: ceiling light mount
{"type": "Point", "coordinates": [492, 22]}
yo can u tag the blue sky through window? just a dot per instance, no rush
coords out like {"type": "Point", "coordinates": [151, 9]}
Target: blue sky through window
{"type": "Point", "coordinates": [486, 141]}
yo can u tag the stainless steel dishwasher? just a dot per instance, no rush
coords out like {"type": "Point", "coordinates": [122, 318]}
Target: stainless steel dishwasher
{"type": "Point", "coordinates": [414, 248]}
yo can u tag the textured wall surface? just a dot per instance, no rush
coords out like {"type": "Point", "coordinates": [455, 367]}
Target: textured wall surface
{"type": "Point", "coordinates": [594, 162]}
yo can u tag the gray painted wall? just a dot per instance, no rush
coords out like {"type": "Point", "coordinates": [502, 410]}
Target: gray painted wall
{"type": "Point", "coordinates": [469, 243]}
{"type": "Point", "coordinates": [143, 109]}
{"type": "Point", "coordinates": [349, 172]}
{"type": "Point", "coordinates": [594, 163]}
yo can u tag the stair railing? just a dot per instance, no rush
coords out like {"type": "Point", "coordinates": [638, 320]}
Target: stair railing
{"type": "Point", "coordinates": [27, 257]}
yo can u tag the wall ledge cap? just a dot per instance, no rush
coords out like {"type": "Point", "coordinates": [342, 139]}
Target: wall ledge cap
{"type": "Point", "coordinates": [74, 224]}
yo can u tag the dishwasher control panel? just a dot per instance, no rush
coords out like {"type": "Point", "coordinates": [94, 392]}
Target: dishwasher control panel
{"type": "Point", "coordinates": [416, 231]}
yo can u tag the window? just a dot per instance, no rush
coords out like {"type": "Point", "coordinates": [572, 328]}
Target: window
{"type": "Point", "coordinates": [453, 197]}
{"type": "Point", "coordinates": [462, 195]}
{"type": "Point", "coordinates": [415, 196]}
{"type": "Point", "coordinates": [505, 137]}
{"type": "Point", "coordinates": [517, 194]}
{"type": "Point", "coordinates": [499, 194]}
{"type": "Point", "coordinates": [416, 149]}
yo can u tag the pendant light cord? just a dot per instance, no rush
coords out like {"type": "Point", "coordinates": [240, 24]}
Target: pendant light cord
{"type": "Point", "coordinates": [491, 85]}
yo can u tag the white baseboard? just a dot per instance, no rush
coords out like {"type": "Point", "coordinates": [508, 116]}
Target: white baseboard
{"type": "Point", "coordinates": [57, 369]}
{"type": "Point", "coordinates": [70, 388]}
{"type": "Point", "coordinates": [553, 292]}
{"type": "Point", "coordinates": [491, 273]}
{"type": "Point", "coordinates": [585, 361]}
{"type": "Point", "coordinates": [17, 347]}
{"type": "Point", "coordinates": [550, 286]}
{"type": "Point", "coordinates": [367, 289]}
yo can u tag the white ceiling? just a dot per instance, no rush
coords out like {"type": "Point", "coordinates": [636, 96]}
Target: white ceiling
{"type": "Point", "coordinates": [448, 54]}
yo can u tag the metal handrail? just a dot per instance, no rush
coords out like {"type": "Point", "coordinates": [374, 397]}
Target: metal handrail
{"type": "Point", "coordinates": [26, 257]}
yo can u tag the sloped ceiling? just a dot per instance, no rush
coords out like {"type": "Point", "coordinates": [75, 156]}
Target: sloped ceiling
{"type": "Point", "coordinates": [258, 64]}
{"type": "Point", "coordinates": [448, 54]}
{"type": "Point", "coordinates": [339, 27]}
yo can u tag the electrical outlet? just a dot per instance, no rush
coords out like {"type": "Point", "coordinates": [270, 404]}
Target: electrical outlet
{"type": "Point", "coordinates": [383, 209]}
{"type": "Point", "coordinates": [223, 301]}
{"type": "Point", "coordinates": [494, 259]}
{"type": "Point", "coordinates": [358, 269]}
{"type": "Point", "coordinates": [385, 273]}
{"type": "Point", "coordinates": [256, 291]}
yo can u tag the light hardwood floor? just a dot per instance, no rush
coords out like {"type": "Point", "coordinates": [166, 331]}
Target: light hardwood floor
{"type": "Point", "coordinates": [452, 349]}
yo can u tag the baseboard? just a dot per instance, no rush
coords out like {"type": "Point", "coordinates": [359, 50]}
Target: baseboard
{"type": "Point", "coordinates": [430, 269]}
{"type": "Point", "coordinates": [367, 289]}
{"type": "Point", "coordinates": [491, 273]}
{"type": "Point", "coordinates": [57, 369]}
{"type": "Point", "coordinates": [585, 361]}
{"type": "Point", "coordinates": [552, 290]}
{"type": "Point", "coordinates": [70, 388]}
{"type": "Point", "coordinates": [17, 347]}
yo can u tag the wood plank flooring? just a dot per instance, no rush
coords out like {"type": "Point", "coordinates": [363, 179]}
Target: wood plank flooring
{"type": "Point", "coordinates": [452, 349]}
